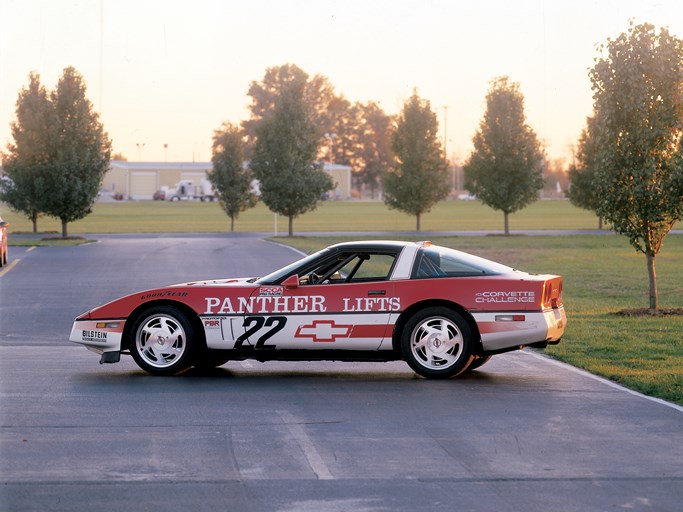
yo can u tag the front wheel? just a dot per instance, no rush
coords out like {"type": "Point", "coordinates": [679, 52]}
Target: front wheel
{"type": "Point", "coordinates": [437, 343]}
{"type": "Point", "coordinates": [478, 362]}
{"type": "Point", "coordinates": [162, 341]}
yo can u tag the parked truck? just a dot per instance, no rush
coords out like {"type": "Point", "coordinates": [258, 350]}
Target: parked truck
{"type": "Point", "coordinates": [186, 189]}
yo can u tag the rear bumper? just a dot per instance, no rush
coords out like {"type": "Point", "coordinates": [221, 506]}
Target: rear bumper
{"type": "Point", "coordinates": [501, 331]}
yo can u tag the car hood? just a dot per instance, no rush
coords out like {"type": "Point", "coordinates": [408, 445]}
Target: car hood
{"type": "Point", "coordinates": [219, 282]}
{"type": "Point", "coordinates": [123, 306]}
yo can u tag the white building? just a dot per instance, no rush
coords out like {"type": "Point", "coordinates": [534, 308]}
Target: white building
{"type": "Point", "coordinates": [140, 180]}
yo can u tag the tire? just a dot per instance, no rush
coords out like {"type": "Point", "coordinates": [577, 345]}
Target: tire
{"type": "Point", "coordinates": [162, 341]}
{"type": "Point", "coordinates": [437, 343]}
{"type": "Point", "coordinates": [210, 361]}
{"type": "Point", "coordinates": [478, 362]}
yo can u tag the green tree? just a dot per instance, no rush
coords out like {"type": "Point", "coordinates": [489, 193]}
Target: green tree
{"type": "Point", "coordinates": [371, 155]}
{"type": "Point", "coordinates": [505, 169]}
{"type": "Point", "coordinates": [582, 191]}
{"type": "Point", "coordinates": [229, 175]}
{"type": "Point", "coordinates": [27, 159]}
{"type": "Point", "coordinates": [284, 156]}
{"type": "Point", "coordinates": [324, 108]}
{"type": "Point", "coordinates": [419, 178]}
{"type": "Point", "coordinates": [79, 152]}
{"type": "Point", "coordinates": [638, 113]}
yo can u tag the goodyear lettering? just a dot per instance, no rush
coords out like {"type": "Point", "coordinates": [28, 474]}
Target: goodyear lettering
{"type": "Point", "coordinates": [265, 304]}
{"type": "Point", "coordinates": [504, 297]}
{"type": "Point", "coordinates": [157, 295]}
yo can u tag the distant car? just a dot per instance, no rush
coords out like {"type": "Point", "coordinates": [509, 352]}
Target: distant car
{"type": "Point", "coordinates": [443, 311]}
{"type": "Point", "coordinates": [3, 242]}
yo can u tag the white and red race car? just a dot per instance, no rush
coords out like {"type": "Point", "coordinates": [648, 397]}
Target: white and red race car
{"type": "Point", "coordinates": [442, 311]}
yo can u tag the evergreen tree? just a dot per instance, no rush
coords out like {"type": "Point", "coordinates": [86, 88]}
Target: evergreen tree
{"type": "Point", "coordinates": [582, 190]}
{"type": "Point", "coordinates": [505, 169]}
{"type": "Point", "coordinates": [230, 178]}
{"type": "Point", "coordinates": [325, 110]}
{"type": "Point", "coordinates": [371, 156]}
{"type": "Point", "coordinates": [284, 159]}
{"type": "Point", "coordinates": [75, 153]}
{"type": "Point", "coordinates": [28, 159]}
{"type": "Point", "coordinates": [419, 178]}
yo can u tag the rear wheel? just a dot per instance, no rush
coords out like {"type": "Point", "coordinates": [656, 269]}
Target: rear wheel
{"type": "Point", "coordinates": [437, 343]}
{"type": "Point", "coordinates": [162, 341]}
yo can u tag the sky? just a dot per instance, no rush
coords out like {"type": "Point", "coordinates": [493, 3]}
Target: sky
{"type": "Point", "coordinates": [165, 74]}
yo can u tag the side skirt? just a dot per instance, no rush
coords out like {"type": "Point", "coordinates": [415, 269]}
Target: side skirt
{"type": "Point", "coordinates": [308, 355]}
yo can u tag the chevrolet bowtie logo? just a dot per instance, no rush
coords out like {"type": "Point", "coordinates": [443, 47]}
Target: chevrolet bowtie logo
{"type": "Point", "coordinates": [323, 330]}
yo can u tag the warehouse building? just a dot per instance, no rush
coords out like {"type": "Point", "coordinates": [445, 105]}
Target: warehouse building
{"type": "Point", "coordinates": [140, 180]}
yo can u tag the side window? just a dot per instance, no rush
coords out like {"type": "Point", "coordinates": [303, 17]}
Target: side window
{"type": "Point", "coordinates": [429, 265]}
{"type": "Point", "coordinates": [351, 268]}
{"type": "Point", "coordinates": [368, 267]}
{"type": "Point", "coordinates": [432, 262]}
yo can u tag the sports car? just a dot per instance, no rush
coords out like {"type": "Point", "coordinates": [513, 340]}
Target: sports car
{"type": "Point", "coordinates": [442, 311]}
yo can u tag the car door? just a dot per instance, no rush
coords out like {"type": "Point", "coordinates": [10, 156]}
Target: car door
{"type": "Point", "coordinates": [347, 303]}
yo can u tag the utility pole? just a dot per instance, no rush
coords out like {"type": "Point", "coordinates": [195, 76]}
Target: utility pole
{"type": "Point", "coordinates": [101, 58]}
{"type": "Point", "coordinates": [445, 131]}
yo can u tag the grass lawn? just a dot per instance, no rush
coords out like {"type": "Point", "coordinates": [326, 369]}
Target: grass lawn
{"type": "Point", "coordinates": [191, 216]}
{"type": "Point", "coordinates": [602, 275]}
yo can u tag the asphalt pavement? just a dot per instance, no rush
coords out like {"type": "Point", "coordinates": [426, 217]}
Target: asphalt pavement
{"type": "Point", "coordinates": [523, 433]}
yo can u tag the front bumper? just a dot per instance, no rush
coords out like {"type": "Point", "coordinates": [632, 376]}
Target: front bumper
{"type": "Point", "coordinates": [98, 335]}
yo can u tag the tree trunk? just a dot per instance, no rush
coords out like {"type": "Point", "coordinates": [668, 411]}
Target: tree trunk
{"type": "Point", "coordinates": [506, 222]}
{"type": "Point", "coordinates": [64, 231]}
{"type": "Point", "coordinates": [291, 226]}
{"type": "Point", "coordinates": [417, 222]}
{"type": "Point", "coordinates": [652, 275]}
{"type": "Point", "coordinates": [232, 224]}
{"type": "Point", "coordinates": [600, 223]}
{"type": "Point", "coordinates": [34, 219]}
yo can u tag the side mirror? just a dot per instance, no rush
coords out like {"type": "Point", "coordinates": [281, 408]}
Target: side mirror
{"type": "Point", "coordinates": [291, 282]}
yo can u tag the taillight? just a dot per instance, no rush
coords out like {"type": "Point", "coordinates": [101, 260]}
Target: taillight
{"type": "Point", "coordinates": [552, 293]}
{"type": "Point", "coordinates": [547, 294]}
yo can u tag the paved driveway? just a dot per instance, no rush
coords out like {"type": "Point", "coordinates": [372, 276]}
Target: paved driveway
{"type": "Point", "coordinates": [524, 433]}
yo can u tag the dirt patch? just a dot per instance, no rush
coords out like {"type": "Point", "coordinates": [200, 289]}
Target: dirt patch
{"type": "Point", "coordinates": [651, 312]}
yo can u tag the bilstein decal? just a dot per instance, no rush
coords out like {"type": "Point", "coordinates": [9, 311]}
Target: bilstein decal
{"type": "Point", "coordinates": [94, 336]}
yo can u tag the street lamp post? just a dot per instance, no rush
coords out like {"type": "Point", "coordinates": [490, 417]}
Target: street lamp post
{"type": "Point", "coordinates": [140, 145]}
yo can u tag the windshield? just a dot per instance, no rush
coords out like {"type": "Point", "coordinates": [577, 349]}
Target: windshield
{"type": "Point", "coordinates": [284, 272]}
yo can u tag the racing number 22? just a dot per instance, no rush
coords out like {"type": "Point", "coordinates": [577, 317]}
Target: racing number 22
{"type": "Point", "coordinates": [253, 324]}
